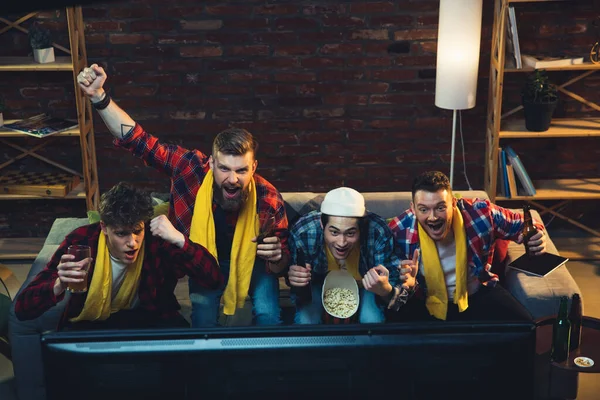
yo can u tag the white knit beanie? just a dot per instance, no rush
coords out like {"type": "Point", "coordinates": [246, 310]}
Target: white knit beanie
{"type": "Point", "coordinates": [343, 202]}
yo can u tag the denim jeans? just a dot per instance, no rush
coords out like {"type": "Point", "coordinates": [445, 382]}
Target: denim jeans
{"type": "Point", "coordinates": [264, 292]}
{"type": "Point", "coordinates": [369, 312]}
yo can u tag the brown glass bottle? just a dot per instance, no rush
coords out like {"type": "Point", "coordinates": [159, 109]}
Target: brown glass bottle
{"type": "Point", "coordinates": [528, 228]}
{"type": "Point", "coordinates": [575, 317]}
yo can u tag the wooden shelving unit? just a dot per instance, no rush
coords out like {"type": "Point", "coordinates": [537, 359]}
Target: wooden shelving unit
{"type": "Point", "coordinates": [499, 127]}
{"type": "Point", "coordinates": [585, 127]}
{"type": "Point", "coordinates": [74, 62]}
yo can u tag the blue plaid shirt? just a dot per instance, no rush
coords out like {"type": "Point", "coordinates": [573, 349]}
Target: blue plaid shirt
{"type": "Point", "coordinates": [484, 223]}
{"type": "Point", "coordinates": [378, 249]}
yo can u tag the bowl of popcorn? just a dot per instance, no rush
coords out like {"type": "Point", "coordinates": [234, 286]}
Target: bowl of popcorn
{"type": "Point", "coordinates": [340, 294]}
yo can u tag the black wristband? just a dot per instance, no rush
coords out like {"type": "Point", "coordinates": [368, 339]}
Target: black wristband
{"type": "Point", "coordinates": [391, 295]}
{"type": "Point", "coordinates": [102, 104]}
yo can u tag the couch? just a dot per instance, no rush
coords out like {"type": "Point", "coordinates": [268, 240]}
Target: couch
{"type": "Point", "coordinates": [539, 295]}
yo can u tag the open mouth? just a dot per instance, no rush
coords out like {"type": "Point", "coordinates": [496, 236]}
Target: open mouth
{"type": "Point", "coordinates": [436, 227]}
{"type": "Point", "coordinates": [131, 253]}
{"type": "Point", "coordinates": [231, 192]}
{"type": "Point", "coordinates": [341, 251]}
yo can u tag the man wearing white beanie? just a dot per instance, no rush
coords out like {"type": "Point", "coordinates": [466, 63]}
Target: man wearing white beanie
{"type": "Point", "coordinates": [343, 235]}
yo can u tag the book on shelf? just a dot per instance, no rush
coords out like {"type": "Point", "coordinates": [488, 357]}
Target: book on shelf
{"type": "Point", "coordinates": [506, 187]}
{"type": "Point", "coordinates": [549, 62]}
{"type": "Point", "coordinates": [512, 181]}
{"type": "Point", "coordinates": [520, 171]}
{"type": "Point", "coordinates": [512, 38]}
{"type": "Point", "coordinates": [41, 125]}
{"type": "Point", "coordinates": [501, 174]}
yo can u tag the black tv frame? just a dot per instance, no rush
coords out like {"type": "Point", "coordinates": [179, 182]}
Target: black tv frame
{"type": "Point", "coordinates": [404, 360]}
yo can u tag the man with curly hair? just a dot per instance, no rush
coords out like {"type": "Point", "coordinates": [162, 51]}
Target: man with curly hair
{"type": "Point", "coordinates": [133, 270]}
{"type": "Point", "coordinates": [219, 201]}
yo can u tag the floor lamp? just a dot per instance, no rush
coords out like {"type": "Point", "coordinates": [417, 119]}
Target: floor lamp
{"type": "Point", "coordinates": [459, 37]}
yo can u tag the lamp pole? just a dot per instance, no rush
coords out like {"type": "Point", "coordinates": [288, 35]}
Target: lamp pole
{"type": "Point", "coordinates": [457, 64]}
{"type": "Point", "coordinates": [454, 112]}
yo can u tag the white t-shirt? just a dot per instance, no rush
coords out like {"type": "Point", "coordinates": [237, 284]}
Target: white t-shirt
{"type": "Point", "coordinates": [118, 275]}
{"type": "Point", "coordinates": [447, 255]}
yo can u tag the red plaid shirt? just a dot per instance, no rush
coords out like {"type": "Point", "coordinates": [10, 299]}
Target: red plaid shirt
{"type": "Point", "coordinates": [163, 265]}
{"type": "Point", "coordinates": [187, 169]}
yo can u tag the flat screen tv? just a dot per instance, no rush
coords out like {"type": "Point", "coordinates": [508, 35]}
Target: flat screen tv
{"type": "Point", "coordinates": [392, 361]}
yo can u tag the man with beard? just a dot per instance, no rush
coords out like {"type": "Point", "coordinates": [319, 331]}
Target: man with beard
{"type": "Point", "coordinates": [133, 270]}
{"type": "Point", "coordinates": [219, 202]}
{"type": "Point", "coordinates": [343, 235]}
{"type": "Point", "coordinates": [455, 238]}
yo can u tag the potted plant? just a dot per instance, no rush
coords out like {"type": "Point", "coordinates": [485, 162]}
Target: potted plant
{"type": "Point", "coordinates": [540, 98]}
{"type": "Point", "coordinates": [40, 41]}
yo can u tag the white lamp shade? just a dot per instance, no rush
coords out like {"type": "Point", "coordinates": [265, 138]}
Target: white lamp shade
{"type": "Point", "coordinates": [459, 38]}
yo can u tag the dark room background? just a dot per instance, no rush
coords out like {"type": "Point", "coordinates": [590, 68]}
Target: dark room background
{"type": "Point", "coordinates": [336, 92]}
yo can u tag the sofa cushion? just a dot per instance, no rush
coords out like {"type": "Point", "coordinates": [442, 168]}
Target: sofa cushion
{"type": "Point", "coordinates": [385, 204]}
{"type": "Point", "coordinates": [62, 227]}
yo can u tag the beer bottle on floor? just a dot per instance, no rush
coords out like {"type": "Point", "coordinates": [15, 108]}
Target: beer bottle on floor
{"type": "Point", "coordinates": [575, 317]}
{"type": "Point", "coordinates": [303, 293]}
{"type": "Point", "coordinates": [561, 333]}
{"type": "Point", "coordinates": [528, 228]}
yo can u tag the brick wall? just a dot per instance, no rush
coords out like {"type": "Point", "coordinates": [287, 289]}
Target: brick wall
{"type": "Point", "coordinates": [337, 93]}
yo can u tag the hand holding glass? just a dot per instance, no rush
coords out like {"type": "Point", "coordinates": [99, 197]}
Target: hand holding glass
{"type": "Point", "coordinates": [80, 252]}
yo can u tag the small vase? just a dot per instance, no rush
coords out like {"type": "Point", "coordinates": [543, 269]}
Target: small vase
{"type": "Point", "coordinates": [43, 56]}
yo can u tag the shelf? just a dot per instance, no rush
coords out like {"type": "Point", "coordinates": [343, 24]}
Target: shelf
{"type": "Point", "coordinates": [20, 248]}
{"type": "Point", "coordinates": [563, 189]}
{"type": "Point", "coordinates": [10, 133]}
{"type": "Point", "coordinates": [77, 193]}
{"type": "Point", "coordinates": [583, 127]}
{"type": "Point", "coordinates": [588, 66]}
{"type": "Point", "coordinates": [27, 64]}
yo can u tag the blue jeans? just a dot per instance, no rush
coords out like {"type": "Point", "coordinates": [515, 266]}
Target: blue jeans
{"type": "Point", "coordinates": [369, 312]}
{"type": "Point", "coordinates": [264, 292]}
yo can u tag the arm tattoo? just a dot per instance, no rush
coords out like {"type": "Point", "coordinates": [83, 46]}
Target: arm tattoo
{"type": "Point", "coordinates": [126, 130]}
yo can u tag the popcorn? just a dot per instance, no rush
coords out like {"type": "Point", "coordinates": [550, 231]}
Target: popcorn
{"type": "Point", "coordinates": [340, 302]}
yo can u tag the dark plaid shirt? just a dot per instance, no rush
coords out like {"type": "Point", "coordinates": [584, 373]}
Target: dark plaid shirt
{"type": "Point", "coordinates": [163, 265]}
{"type": "Point", "coordinates": [187, 169]}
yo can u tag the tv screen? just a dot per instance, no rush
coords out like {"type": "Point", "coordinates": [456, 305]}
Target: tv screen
{"type": "Point", "coordinates": [406, 361]}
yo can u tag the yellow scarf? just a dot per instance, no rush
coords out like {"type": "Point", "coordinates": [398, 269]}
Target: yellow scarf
{"type": "Point", "coordinates": [243, 250]}
{"type": "Point", "coordinates": [98, 304]}
{"type": "Point", "coordinates": [437, 294]}
{"type": "Point", "coordinates": [351, 262]}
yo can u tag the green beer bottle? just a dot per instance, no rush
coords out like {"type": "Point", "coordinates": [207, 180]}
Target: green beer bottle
{"type": "Point", "coordinates": [561, 333]}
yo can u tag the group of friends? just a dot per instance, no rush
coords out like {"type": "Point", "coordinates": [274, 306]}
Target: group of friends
{"type": "Point", "coordinates": [432, 262]}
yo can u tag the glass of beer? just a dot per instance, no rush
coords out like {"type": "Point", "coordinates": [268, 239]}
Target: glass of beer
{"type": "Point", "coordinates": [81, 252]}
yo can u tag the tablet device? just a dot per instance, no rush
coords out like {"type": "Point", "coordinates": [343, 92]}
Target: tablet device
{"type": "Point", "coordinates": [540, 265]}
